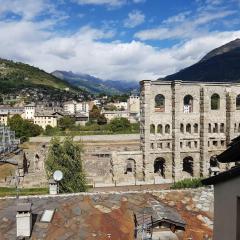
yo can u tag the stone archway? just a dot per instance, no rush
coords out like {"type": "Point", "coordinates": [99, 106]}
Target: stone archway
{"type": "Point", "coordinates": [159, 167]}
{"type": "Point", "coordinates": [188, 165]}
{"type": "Point", "coordinates": [130, 167]}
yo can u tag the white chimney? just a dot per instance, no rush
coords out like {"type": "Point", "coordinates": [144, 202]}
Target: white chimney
{"type": "Point", "coordinates": [53, 187]}
{"type": "Point", "coordinates": [24, 219]}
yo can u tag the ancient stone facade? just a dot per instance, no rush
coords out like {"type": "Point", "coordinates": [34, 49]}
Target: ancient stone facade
{"type": "Point", "coordinates": [184, 125]}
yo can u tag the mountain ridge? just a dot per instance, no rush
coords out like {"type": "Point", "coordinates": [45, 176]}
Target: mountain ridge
{"type": "Point", "coordinates": [219, 65]}
{"type": "Point", "coordinates": [96, 85]}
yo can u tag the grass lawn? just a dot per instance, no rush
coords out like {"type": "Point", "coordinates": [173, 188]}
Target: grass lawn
{"type": "Point", "coordinates": [5, 191]}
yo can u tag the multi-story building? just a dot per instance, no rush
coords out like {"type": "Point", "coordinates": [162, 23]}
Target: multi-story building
{"type": "Point", "coordinates": [7, 112]}
{"type": "Point", "coordinates": [69, 107]}
{"type": "Point", "coordinates": [47, 118]}
{"type": "Point", "coordinates": [30, 110]}
{"type": "Point", "coordinates": [133, 104]}
{"type": "Point", "coordinates": [184, 125]}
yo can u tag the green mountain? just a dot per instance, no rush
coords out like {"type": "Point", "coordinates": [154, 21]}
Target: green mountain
{"type": "Point", "coordinates": [16, 75]}
{"type": "Point", "coordinates": [220, 65]}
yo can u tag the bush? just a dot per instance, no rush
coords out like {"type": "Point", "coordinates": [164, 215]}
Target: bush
{"type": "Point", "coordinates": [119, 125]}
{"type": "Point", "coordinates": [66, 123]}
{"type": "Point", "coordinates": [187, 183]}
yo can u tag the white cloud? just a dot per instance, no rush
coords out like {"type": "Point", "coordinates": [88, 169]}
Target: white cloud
{"type": "Point", "coordinates": [134, 19]}
{"type": "Point", "coordinates": [112, 3]}
{"type": "Point", "coordinates": [84, 51]}
{"type": "Point", "coordinates": [182, 27]}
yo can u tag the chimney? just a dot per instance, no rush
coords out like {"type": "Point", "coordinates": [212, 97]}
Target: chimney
{"type": "Point", "coordinates": [24, 219]}
{"type": "Point", "coordinates": [53, 187]}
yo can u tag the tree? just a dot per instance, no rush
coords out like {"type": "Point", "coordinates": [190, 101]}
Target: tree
{"type": "Point", "coordinates": [23, 128]}
{"type": "Point", "coordinates": [66, 156]}
{"type": "Point", "coordinates": [66, 123]}
{"type": "Point", "coordinates": [119, 124]}
{"type": "Point", "coordinates": [95, 112]}
{"type": "Point", "coordinates": [102, 120]}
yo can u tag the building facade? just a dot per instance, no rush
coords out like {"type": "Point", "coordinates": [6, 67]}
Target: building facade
{"type": "Point", "coordinates": [184, 125]}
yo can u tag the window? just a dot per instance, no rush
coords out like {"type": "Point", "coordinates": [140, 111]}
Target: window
{"type": "Point", "coordinates": [168, 145]}
{"type": "Point", "coordinates": [130, 166]}
{"type": "Point", "coordinates": [215, 102]}
{"type": "Point", "coordinates": [235, 127]}
{"type": "Point", "coordinates": [188, 104]}
{"type": "Point", "coordinates": [188, 165]}
{"type": "Point", "coordinates": [215, 143]}
{"type": "Point", "coordinates": [215, 129]}
{"type": "Point", "coordinates": [238, 102]}
{"type": "Point", "coordinates": [159, 128]}
{"type": "Point", "coordinates": [222, 143]}
{"type": "Point", "coordinates": [188, 128]}
{"type": "Point", "coordinates": [181, 128]}
{"type": "Point", "coordinates": [195, 144]}
{"type": "Point", "coordinates": [152, 128]}
{"type": "Point", "coordinates": [222, 128]}
{"type": "Point", "coordinates": [239, 127]}
{"type": "Point", "coordinates": [160, 103]}
{"type": "Point", "coordinates": [167, 129]}
{"type": "Point", "coordinates": [159, 166]}
{"type": "Point", "coordinates": [189, 144]}
{"type": "Point", "coordinates": [195, 126]}
{"type": "Point", "coordinates": [152, 146]}
{"type": "Point", "coordinates": [209, 128]}
{"type": "Point", "coordinates": [181, 144]}
{"type": "Point", "coordinates": [214, 162]}
{"type": "Point", "coordinates": [159, 145]}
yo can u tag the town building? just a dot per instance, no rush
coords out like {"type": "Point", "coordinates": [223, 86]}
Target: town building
{"type": "Point", "coordinates": [110, 115]}
{"type": "Point", "coordinates": [133, 104]}
{"type": "Point", "coordinates": [184, 125]}
{"type": "Point", "coordinates": [30, 110]}
{"type": "Point", "coordinates": [69, 107]}
{"type": "Point", "coordinates": [7, 112]}
{"type": "Point", "coordinates": [47, 118]}
{"type": "Point", "coordinates": [227, 195]}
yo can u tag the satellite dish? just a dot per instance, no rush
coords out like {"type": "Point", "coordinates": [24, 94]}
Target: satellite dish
{"type": "Point", "coordinates": [58, 175]}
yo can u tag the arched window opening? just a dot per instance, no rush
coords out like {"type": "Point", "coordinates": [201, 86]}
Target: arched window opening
{"type": "Point", "coordinates": [167, 129]}
{"type": "Point", "coordinates": [188, 165]}
{"type": "Point", "coordinates": [188, 104]}
{"type": "Point", "coordinates": [215, 102]}
{"type": "Point", "coordinates": [235, 127]}
{"type": "Point", "coordinates": [215, 129]}
{"type": "Point", "coordinates": [239, 127]}
{"type": "Point", "coordinates": [160, 103]}
{"type": "Point", "coordinates": [152, 128]}
{"type": "Point", "coordinates": [209, 128]}
{"type": "Point", "coordinates": [130, 166]}
{"type": "Point", "coordinates": [238, 102]}
{"type": "Point", "coordinates": [222, 128]}
{"type": "Point", "coordinates": [181, 128]}
{"type": "Point", "coordinates": [159, 167]}
{"type": "Point", "coordinates": [214, 162]}
{"type": "Point", "coordinates": [159, 129]}
{"type": "Point", "coordinates": [195, 126]}
{"type": "Point", "coordinates": [188, 128]}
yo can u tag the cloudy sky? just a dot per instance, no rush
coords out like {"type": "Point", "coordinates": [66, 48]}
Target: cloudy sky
{"type": "Point", "coordinates": [115, 39]}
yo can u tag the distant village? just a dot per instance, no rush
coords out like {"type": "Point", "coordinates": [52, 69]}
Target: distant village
{"type": "Point", "coordinates": [48, 113]}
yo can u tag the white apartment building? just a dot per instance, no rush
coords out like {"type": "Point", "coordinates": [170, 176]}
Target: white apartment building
{"type": "Point", "coordinates": [30, 110]}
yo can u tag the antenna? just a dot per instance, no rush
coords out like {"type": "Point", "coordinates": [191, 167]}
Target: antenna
{"type": "Point", "coordinates": [57, 175]}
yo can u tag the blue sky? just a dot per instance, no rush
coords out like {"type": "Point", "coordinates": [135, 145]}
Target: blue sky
{"type": "Point", "coordinates": [115, 39]}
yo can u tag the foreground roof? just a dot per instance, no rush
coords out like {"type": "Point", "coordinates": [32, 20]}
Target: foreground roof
{"type": "Point", "coordinates": [222, 177]}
